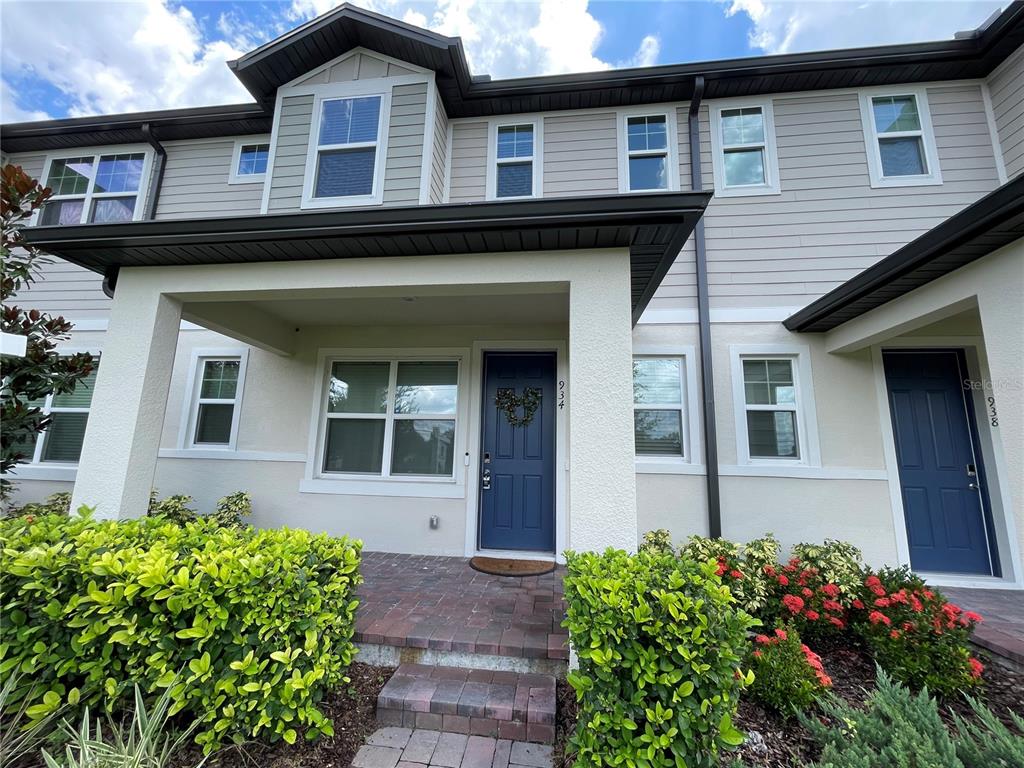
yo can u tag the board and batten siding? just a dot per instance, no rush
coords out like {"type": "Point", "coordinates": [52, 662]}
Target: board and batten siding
{"type": "Point", "coordinates": [405, 144]}
{"type": "Point", "coordinates": [195, 183]}
{"type": "Point", "coordinates": [828, 224]}
{"type": "Point", "coordinates": [438, 153]}
{"type": "Point", "coordinates": [359, 66]}
{"type": "Point", "coordinates": [1006, 87]}
{"type": "Point", "coordinates": [60, 288]}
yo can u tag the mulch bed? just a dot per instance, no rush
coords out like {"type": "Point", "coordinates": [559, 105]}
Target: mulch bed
{"type": "Point", "coordinates": [353, 710]}
{"type": "Point", "coordinates": [777, 742]}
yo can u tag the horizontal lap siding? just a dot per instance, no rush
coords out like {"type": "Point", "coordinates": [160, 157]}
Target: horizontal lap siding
{"type": "Point", "coordinates": [195, 183]}
{"type": "Point", "coordinates": [1006, 86]}
{"type": "Point", "coordinates": [290, 157]}
{"type": "Point", "coordinates": [829, 224]}
{"type": "Point", "coordinates": [405, 145]}
{"type": "Point", "coordinates": [439, 153]}
{"type": "Point", "coordinates": [580, 155]}
{"type": "Point", "coordinates": [469, 162]}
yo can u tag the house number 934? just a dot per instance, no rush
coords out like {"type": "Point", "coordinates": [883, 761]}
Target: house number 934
{"type": "Point", "coordinates": [561, 394]}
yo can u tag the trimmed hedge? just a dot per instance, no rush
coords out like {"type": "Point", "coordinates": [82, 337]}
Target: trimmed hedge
{"type": "Point", "coordinates": [661, 644]}
{"type": "Point", "coordinates": [246, 627]}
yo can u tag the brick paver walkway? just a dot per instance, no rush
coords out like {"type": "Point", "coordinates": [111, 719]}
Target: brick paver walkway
{"type": "Point", "coordinates": [1002, 611]}
{"type": "Point", "coordinates": [441, 603]}
{"type": "Point", "coordinates": [407, 748]}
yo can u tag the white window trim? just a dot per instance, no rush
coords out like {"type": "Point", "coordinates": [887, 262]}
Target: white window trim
{"type": "Point", "coordinates": [927, 134]}
{"type": "Point", "coordinates": [691, 462]}
{"type": "Point", "coordinates": [338, 91]}
{"type": "Point", "coordinates": [806, 413]}
{"type": "Point", "coordinates": [672, 139]}
{"type": "Point", "coordinates": [492, 157]}
{"type": "Point", "coordinates": [36, 463]}
{"type": "Point", "coordinates": [190, 404]}
{"type": "Point", "coordinates": [117, 149]}
{"type": "Point", "coordinates": [236, 154]}
{"type": "Point", "coordinates": [772, 185]}
{"type": "Point", "coordinates": [424, 486]}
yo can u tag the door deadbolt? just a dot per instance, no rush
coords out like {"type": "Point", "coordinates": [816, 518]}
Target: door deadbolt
{"type": "Point", "coordinates": [486, 480]}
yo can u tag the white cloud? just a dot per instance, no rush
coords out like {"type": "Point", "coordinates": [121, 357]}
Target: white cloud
{"type": "Point", "coordinates": [788, 26]}
{"type": "Point", "coordinates": [118, 57]}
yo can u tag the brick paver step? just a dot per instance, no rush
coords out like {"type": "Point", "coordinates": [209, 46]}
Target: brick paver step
{"type": "Point", "coordinates": [518, 706]}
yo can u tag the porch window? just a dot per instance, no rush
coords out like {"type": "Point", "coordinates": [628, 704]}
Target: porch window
{"type": "Point", "coordinates": [61, 441]}
{"type": "Point", "coordinates": [658, 407]}
{"type": "Point", "coordinates": [390, 418]}
{"type": "Point", "coordinates": [514, 161]}
{"type": "Point", "coordinates": [771, 408]}
{"type": "Point", "coordinates": [93, 188]}
{"type": "Point", "coordinates": [346, 147]}
{"type": "Point", "coordinates": [217, 392]}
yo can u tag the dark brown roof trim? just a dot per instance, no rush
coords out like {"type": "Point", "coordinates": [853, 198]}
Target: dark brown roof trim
{"type": "Point", "coordinates": [987, 225]}
{"type": "Point", "coordinates": [653, 226]}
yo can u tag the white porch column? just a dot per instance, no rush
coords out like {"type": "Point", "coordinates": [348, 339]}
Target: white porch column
{"type": "Point", "coordinates": [119, 454]}
{"type": "Point", "coordinates": [602, 479]}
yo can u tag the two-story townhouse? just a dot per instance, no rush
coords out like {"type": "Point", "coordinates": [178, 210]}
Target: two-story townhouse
{"type": "Point", "coordinates": [449, 314]}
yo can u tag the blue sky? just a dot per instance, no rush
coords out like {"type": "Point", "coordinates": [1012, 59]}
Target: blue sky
{"type": "Point", "coordinates": [63, 58]}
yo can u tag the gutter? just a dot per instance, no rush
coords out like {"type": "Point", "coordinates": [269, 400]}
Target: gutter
{"type": "Point", "coordinates": [707, 374]}
{"type": "Point", "coordinates": [158, 172]}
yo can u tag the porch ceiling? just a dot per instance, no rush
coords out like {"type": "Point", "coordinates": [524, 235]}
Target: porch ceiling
{"type": "Point", "coordinates": [653, 227]}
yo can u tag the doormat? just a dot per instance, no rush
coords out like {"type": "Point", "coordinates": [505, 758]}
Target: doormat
{"type": "Point", "coordinates": [497, 566]}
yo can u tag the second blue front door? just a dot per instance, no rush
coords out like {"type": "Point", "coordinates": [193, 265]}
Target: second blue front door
{"type": "Point", "coordinates": [941, 475]}
{"type": "Point", "coordinates": [517, 480]}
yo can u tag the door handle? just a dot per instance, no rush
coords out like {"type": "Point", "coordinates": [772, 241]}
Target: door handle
{"type": "Point", "coordinates": [486, 480]}
{"type": "Point", "coordinates": [973, 486]}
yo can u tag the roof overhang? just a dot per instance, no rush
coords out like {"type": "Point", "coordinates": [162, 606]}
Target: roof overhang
{"type": "Point", "coordinates": [654, 227]}
{"type": "Point", "coordinates": [265, 69]}
{"type": "Point", "coordinates": [987, 225]}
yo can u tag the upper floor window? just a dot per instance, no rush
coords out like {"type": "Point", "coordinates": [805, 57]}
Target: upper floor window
{"type": "Point", "coordinates": [346, 151]}
{"type": "Point", "coordinates": [94, 188]}
{"type": "Point", "coordinates": [249, 162]}
{"type": "Point", "coordinates": [647, 153]}
{"type": "Point", "coordinates": [743, 149]}
{"type": "Point", "coordinates": [514, 161]}
{"type": "Point", "coordinates": [901, 143]}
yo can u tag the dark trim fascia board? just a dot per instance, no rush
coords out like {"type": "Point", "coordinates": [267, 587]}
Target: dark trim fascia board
{"type": "Point", "coordinates": [977, 219]}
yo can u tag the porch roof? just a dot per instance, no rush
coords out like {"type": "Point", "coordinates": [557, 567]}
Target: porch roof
{"type": "Point", "coordinates": [653, 226]}
{"type": "Point", "coordinates": [992, 222]}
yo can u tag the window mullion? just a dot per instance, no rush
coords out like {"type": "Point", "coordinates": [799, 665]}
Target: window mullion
{"type": "Point", "coordinates": [90, 188]}
{"type": "Point", "coordinates": [389, 415]}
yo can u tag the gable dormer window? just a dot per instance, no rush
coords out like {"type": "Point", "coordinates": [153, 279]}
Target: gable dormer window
{"type": "Point", "coordinates": [346, 150]}
{"type": "Point", "coordinates": [101, 189]}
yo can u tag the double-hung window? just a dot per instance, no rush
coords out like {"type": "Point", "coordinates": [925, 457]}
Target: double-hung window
{"type": "Point", "coordinates": [346, 150]}
{"type": "Point", "coordinates": [646, 146]}
{"type": "Point", "coordinates": [901, 143]}
{"type": "Point", "coordinates": [216, 396]}
{"type": "Point", "coordinates": [771, 408]}
{"type": "Point", "coordinates": [94, 188]}
{"type": "Point", "coordinates": [390, 418]}
{"type": "Point", "coordinates": [61, 441]}
{"type": "Point", "coordinates": [249, 162]}
{"type": "Point", "coordinates": [659, 417]}
{"type": "Point", "coordinates": [743, 148]}
{"type": "Point", "coordinates": [514, 161]}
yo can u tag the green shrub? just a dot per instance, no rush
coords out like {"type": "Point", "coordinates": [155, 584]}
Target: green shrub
{"type": "Point", "coordinates": [55, 504]}
{"type": "Point", "coordinates": [838, 562]}
{"type": "Point", "coordinates": [898, 729]}
{"type": "Point", "coordinates": [660, 643]}
{"type": "Point", "coordinates": [175, 508]}
{"type": "Point", "coordinates": [788, 676]}
{"type": "Point", "coordinates": [232, 508]}
{"type": "Point", "coordinates": [742, 568]}
{"type": "Point", "coordinates": [986, 742]}
{"type": "Point", "coordinates": [257, 622]}
{"type": "Point", "coordinates": [659, 542]}
{"type": "Point", "coordinates": [915, 634]}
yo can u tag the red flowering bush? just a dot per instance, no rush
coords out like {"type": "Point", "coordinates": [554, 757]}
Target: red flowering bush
{"type": "Point", "coordinates": [788, 676]}
{"type": "Point", "coordinates": [915, 634]}
{"type": "Point", "coordinates": [806, 599]}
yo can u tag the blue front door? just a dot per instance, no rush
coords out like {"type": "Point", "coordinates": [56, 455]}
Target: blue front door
{"type": "Point", "coordinates": [517, 461]}
{"type": "Point", "coordinates": [940, 472]}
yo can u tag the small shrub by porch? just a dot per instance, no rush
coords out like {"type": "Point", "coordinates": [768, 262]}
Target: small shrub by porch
{"type": "Point", "coordinates": [246, 627]}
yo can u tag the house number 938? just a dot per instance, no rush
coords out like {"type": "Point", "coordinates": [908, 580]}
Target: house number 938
{"type": "Point", "coordinates": [993, 414]}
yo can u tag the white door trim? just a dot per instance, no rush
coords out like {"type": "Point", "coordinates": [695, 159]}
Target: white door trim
{"type": "Point", "coordinates": [474, 436]}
